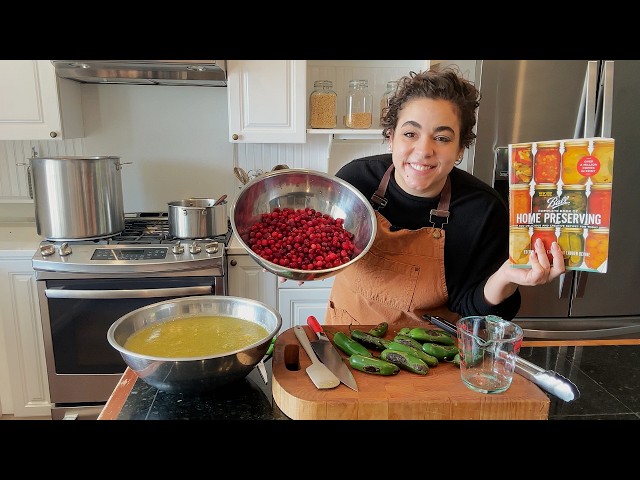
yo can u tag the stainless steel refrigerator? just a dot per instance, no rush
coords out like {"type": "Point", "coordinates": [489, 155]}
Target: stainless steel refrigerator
{"type": "Point", "coordinates": [533, 100]}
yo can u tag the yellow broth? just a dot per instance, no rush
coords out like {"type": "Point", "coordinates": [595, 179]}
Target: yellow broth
{"type": "Point", "coordinates": [195, 336]}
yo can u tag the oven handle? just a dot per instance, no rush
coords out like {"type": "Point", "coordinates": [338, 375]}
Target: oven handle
{"type": "Point", "coordinates": [141, 293]}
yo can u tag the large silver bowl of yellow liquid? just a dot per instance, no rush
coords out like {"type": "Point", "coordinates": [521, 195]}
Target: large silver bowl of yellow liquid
{"type": "Point", "coordinates": [195, 344]}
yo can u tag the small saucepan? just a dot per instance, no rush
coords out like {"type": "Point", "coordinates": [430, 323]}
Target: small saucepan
{"type": "Point", "coordinates": [198, 218]}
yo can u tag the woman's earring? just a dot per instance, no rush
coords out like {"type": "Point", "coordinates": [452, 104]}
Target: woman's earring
{"type": "Point", "coordinates": [389, 147]}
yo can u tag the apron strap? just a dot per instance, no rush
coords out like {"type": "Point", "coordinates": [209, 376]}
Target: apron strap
{"type": "Point", "coordinates": [443, 205]}
{"type": "Point", "coordinates": [378, 195]}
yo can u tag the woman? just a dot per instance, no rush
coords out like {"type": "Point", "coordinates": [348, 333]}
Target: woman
{"type": "Point", "coordinates": [442, 234]}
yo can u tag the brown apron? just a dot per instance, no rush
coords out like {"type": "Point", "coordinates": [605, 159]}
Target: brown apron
{"type": "Point", "coordinates": [401, 278]}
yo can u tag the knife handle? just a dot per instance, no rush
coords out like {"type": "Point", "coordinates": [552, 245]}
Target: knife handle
{"type": "Point", "coordinates": [316, 327]}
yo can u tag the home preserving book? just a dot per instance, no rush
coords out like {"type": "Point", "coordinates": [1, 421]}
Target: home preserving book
{"type": "Point", "coordinates": [560, 190]}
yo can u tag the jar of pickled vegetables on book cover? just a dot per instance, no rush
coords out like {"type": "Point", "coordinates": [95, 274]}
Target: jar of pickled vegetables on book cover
{"type": "Point", "coordinates": [575, 199]}
{"type": "Point", "coordinates": [596, 248]}
{"type": "Point", "coordinates": [603, 151]}
{"type": "Point", "coordinates": [571, 241]}
{"type": "Point", "coordinates": [599, 205]}
{"type": "Point", "coordinates": [519, 204]}
{"type": "Point", "coordinates": [521, 163]}
{"type": "Point", "coordinates": [543, 196]}
{"type": "Point", "coordinates": [547, 235]}
{"type": "Point", "coordinates": [574, 151]}
{"type": "Point", "coordinates": [519, 245]}
{"type": "Point", "coordinates": [546, 163]}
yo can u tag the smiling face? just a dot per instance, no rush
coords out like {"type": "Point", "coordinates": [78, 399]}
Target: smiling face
{"type": "Point", "coordinates": [425, 145]}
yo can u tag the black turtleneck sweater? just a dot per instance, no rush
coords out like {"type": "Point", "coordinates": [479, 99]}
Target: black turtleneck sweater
{"type": "Point", "coordinates": [477, 235]}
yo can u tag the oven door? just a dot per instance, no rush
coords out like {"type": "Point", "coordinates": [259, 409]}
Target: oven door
{"type": "Point", "coordinates": [81, 364]}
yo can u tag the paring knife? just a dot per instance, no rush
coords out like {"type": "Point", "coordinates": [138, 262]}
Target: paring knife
{"type": "Point", "coordinates": [261, 368]}
{"type": "Point", "coordinates": [548, 380]}
{"type": "Point", "coordinates": [329, 355]}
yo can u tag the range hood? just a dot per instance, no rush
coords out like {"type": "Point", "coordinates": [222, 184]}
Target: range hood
{"type": "Point", "coordinates": [201, 73]}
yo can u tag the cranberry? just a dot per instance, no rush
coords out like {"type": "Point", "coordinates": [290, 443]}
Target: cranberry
{"type": "Point", "coordinates": [302, 239]}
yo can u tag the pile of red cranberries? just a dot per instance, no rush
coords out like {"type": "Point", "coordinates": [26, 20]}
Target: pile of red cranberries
{"type": "Point", "coordinates": [301, 239]}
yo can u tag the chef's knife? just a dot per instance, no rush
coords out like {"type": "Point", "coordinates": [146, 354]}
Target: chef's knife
{"type": "Point", "coordinates": [548, 380]}
{"type": "Point", "coordinates": [329, 355]}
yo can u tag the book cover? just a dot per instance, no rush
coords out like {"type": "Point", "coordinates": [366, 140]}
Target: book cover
{"type": "Point", "coordinates": [560, 190]}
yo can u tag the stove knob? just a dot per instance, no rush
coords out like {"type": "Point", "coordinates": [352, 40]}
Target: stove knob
{"type": "Point", "coordinates": [65, 249]}
{"type": "Point", "coordinates": [195, 248]}
{"type": "Point", "coordinates": [177, 248]}
{"type": "Point", "coordinates": [211, 247]}
{"type": "Point", "coordinates": [47, 250]}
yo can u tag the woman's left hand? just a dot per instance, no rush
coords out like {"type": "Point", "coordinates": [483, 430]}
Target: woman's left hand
{"type": "Point", "coordinates": [542, 270]}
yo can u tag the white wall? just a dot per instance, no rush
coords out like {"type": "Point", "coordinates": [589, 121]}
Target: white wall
{"type": "Point", "coordinates": [174, 137]}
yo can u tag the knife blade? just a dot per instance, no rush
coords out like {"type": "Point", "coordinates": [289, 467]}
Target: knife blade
{"type": "Point", "coordinates": [328, 354]}
{"type": "Point", "coordinates": [548, 380]}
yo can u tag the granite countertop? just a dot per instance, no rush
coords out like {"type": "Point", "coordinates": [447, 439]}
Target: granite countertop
{"type": "Point", "coordinates": [19, 236]}
{"type": "Point", "coordinates": [247, 399]}
{"type": "Point", "coordinates": [607, 392]}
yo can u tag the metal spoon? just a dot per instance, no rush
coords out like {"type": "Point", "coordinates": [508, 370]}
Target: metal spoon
{"type": "Point", "coordinates": [241, 175]}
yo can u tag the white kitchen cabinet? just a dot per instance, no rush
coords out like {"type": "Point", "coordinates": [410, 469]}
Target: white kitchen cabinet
{"type": "Point", "coordinates": [36, 105]}
{"type": "Point", "coordinates": [325, 150]}
{"type": "Point", "coordinates": [297, 302]}
{"type": "Point", "coordinates": [267, 101]}
{"type": "Point", "coordinates": [246, 279]}
{"type": "Point", "coordinates": [24, 389]}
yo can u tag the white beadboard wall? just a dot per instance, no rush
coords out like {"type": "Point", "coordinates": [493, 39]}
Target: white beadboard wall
{"type": "Point", "coordinates": [14, 186]}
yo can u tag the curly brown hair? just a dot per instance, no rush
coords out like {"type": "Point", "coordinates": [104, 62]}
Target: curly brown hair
{"type": "Point", "coordinates": [446, 84]}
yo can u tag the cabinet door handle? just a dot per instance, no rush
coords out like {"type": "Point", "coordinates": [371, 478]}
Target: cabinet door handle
{"type": "Point", "coordinates": [233, 263]}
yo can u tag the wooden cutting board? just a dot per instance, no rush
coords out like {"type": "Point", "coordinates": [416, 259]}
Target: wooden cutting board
{"type": "Point", "coordinates": [439, 395]}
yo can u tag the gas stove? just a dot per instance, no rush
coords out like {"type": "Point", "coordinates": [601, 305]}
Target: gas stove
{"type": "Point", "coordinates": [143, 247]}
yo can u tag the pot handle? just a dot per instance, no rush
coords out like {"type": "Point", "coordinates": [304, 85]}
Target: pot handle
{"type": "Point", "coordinates": [120, 164]}
{"type": "Point", "coordinates": [203, 212]}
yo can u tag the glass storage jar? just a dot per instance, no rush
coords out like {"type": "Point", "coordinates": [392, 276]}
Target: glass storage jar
{"type": "Point", "coordinates": [323, 105]}
{"type": "Point", "coordinates": [359, 105]}
{"type": "Point", "coordinates": [384, 101]}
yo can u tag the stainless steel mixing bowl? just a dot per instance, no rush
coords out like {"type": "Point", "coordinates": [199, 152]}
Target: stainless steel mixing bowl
{"type": "Point", "coordinates": [300, 188]}
{"type": "Point", "coordinates": [195, 374]}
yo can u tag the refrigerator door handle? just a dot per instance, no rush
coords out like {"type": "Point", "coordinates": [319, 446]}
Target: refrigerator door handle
{"type": "Point", "coordinates": [581, 284]}
{"type": "Point", "coordinates": [589, 97]}
{"type": "Point", "coordinates": [607, 99]}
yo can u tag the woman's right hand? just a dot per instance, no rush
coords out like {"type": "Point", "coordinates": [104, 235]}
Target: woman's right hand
{"type": "Point", "coordinates": [282, 279]}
